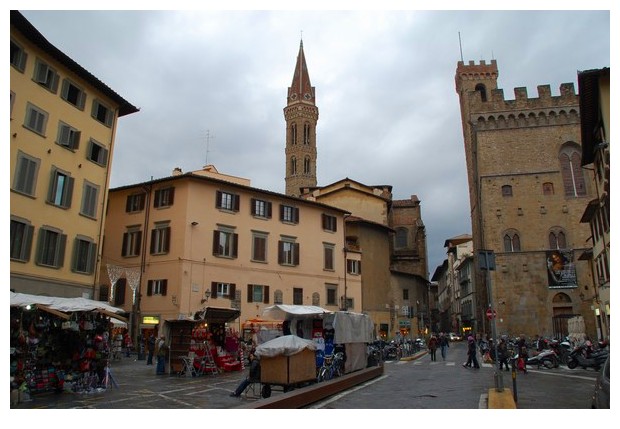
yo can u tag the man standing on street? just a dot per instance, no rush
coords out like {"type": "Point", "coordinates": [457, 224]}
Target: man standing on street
{"type": "Point", "coordinates": [471, 354]}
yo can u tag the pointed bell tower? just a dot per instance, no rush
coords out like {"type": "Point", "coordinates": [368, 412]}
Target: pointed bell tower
{"type": "Point", "coordinates": [301, 115]}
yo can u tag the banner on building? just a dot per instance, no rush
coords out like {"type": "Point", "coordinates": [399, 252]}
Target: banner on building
{"type": "Point", "coordinates": [561, 269]}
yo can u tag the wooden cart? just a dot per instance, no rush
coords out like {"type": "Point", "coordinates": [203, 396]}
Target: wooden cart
{"type": "Point", "coordinates": [287, 372]}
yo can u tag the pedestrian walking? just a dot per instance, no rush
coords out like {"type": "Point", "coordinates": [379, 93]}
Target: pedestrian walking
{"type": "Point", "coordinates": [444, 343]}
{"type": "Point", "coordinates": [432, 347]}
{"type": "Point", "coordinates": [162, 354]}
{"type": "Point", "coordinates": [150, 345]}
{"type": "Point", "coordinates": [502, 354]}
{"type": "Point", "coordinates": [128, 344]}
{"type": "Point", "coordinates": [472, 350]}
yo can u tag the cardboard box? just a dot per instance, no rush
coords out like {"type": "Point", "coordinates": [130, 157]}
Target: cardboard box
{"type": "Point", "coordinates": [285, 370]}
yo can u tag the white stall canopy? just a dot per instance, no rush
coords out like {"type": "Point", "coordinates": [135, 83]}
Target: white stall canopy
{"type": "Point", "coordinates": [288, 312]}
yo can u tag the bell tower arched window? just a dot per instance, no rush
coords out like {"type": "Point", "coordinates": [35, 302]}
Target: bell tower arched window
{"type": "Point", "coordinates": [293, 133]}
{"type": "Point", "coordinates": [293, 165]}
{"type": "Point", "coordinates": [572, 174]}
{"type": "Point", "coordinates": [307, 165]}
{"type": "Point", "coordinates": [306, 133]}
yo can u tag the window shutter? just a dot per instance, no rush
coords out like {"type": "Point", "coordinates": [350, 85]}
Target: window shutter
{"type": "Point", "coordinates": [280, 252]}
{"type": "Point", "coordinates": [324, 221]}
{"type": "Point", "coordinates": [349, 265]}
{"type": "Point", "coordinates": [164, 287]}
{"type": "Point", "coordinates": [296, 214]}
{"type": "Point", "coordinates": [39, 254]}
{"type": "Point", "coordinates": [27, 245]}
{"type": "Point", "coordinates": [153, 237]}
{"type": "Point", "coordinates": [60, 256]}
{"type": "Point", "coordinates": [296, 254]}
{"type": "Point", "coordinates": [231, 289]}
{"type": "Point", "coordinates": [52, 189]}
{"type": "Point", "coordinates": [157, 198]}
{"type": "Point", "coordinates": [235, 245]}
{"type": "Point", "coordinates": [74, 257]}
{"type": "Point", "coordinates": [269, 210]}
{"type": "Point", "coordinates": [253, 206]}
{"type": "Point", "coordinates": [92, 254]}
{"type": "Point", "coordinates": [218, 199]}
{"type": "Point", "coordinates": [216, 242]}
{"type": "Point", "coordinates": [213, 292]}
{"type": "Point", "coordinates": [141, 199]}
{"type": "Point", "coordinates": [170, 196]}
{"type": "Point", "coordinates": [167, 239]}
{"type": "Point", "coordinates": [281, 212]}
{"type": "Point", "coordinates": [359, 267]}
{"type": "Point", "coordinates": [128, 204]}
{"type": "Point", "coordinates": [250, 293]}
{"type": "Point", "coordinates": [68, 196]}
{"type": "Point", "coordinates": [266, 294]}
{"type": "Point", "coordinates": [103, 155]}
{"type": "Point", "coordinates": [138, 243]}
{"type": "Point", "coordinates": [236, 202]}
{"type": "Point", "coordinates": [149, 288]}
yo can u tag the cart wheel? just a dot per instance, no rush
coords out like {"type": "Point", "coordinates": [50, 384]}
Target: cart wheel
{"type": "Point", "coordinates": [266, 391]}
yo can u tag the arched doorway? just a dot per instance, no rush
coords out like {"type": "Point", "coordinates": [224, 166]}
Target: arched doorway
{"type": "Point", "coordinates": [562, 311]}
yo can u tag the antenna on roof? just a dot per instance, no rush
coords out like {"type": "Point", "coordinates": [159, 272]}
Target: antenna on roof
{"type": "Point", "coordinates": [460, 46]}
{"type": "Point", "coordinates": [208, 142]}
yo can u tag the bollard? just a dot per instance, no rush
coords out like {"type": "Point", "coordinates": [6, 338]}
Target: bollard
{"type": "Point", "coordinates": [514, 379]}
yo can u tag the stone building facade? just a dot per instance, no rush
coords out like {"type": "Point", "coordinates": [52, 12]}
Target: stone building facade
{"type": "Point", "coordinates": [527, 194]}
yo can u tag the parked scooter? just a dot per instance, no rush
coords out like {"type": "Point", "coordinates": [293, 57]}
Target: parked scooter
{"type": "Point", "coordinates": [580, 356]}
{"type": "Point", "coordinates": [546, 358]}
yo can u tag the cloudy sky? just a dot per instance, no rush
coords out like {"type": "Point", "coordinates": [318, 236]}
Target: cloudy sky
{"type": "Point", "coordinates": [211, 87]}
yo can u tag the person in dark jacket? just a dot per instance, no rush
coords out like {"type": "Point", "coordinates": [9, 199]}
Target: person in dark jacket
{"type": "Point", "coordinates": [432, 347]}
{"type": "Point", "coordinates": [444, 343]}
{"type": "Point", "coordinates": [502, 352]}
{"type": "Point", "coordinates": [253, 376]}
{"type": "Point", "coordinates": [471, 353]}
{"type": "Point", "coordinates": [150, 346]}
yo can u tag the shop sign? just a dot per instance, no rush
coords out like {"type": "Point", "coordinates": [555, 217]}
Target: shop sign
{"type": "Point", "coordinates": [150, 320]}
{"type": "Point", "coordinates": [404, 324]}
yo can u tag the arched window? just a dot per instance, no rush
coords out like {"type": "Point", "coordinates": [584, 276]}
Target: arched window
{"type": "Point", "coordinates": [277, 297]}
{"type": "Point", "coordinates": [401, 238]}
{"type": "Point", "coordinates": [506, 191]}
{"type": "Point", "coordinates": [482, 90]}
{"type": "Point", "coordinates": [557, 239]}
{"type": "Point", "coordinates": [572, 174]}
{"type": "Point", "coordinates": [293, 133]}
{"type": "Point", "coordinates": [293, 165]}
{"type": "Point", "coordinates": [316, 299]}
{"type": "Point", "coordinates": [512, 243]}
{"type": "Point", "coordinates": [306, 133]}
{"type": "Point", "coordinates": [307, 165]}
{"type": "Point", "coordinates": [548, 188]}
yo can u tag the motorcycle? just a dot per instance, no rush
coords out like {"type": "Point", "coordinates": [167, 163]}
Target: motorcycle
{"type": "Point", "coordinates": [546, 358]}
{"type": "Point", "coordinates": [581, 357]}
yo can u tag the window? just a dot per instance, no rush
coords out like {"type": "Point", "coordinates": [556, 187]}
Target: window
{"type": "Point", "coordinates": [227, 201]}
{"type": "Point", "coordinates": [258, 293]}
{"type": "Point", "coordinates": [277, 297]}
{"type": "Point", "coordinates": [102, 113]}
{"type": "Point", "coordinates": [307, 165]}
{"type": "Point", "coordinates": [90, 195]}
{"type": "Point", "coordinates": [97, 153]}
{"type": "Point", "coordinates": [259, 246]}
{"type": "Point", "coordinates": [401, 238]}
{"type": "Point", "coordinates": [293, 133]}
{"type": "Point", "coordinates": [289, 214]}
{"type": "Point", "coordinates": [223, 290]}
{"type": "Point", "coordinates": [261, 208]}
{"type": "Point", "coordinates": [482, 90]}
{"type": "Point", "coordinates": [36, 119]}
{"type": "Point", "coordinates": [329, 222]}
{"type": "Point", "coordinates": [354, 266]}
{"type": "Point", "coordinates": [331, 292]}
{"type": "Point", "coordinates": [26, 171]}
{"type": "Point", "coordinates": [132, 241]}
{"type": "Point", "coordinates": [298, 296]}
{"type": "Point", "coordinates": [572, 174]}
{"type": "Point", "coordinates": [68, 137]}
{"type": "Point", "coordinates": [163, 197]}
{"type": "Point", "coordinates": [45, 76]}
{"type": "Point", "coordinates": [306, 133]}
{"type": "Point", "coordinates": [73, 94]}
{"type": "Point", "coordinates": [21, 239]}
{"type": "Point", "coordinates": [160, 238]}
{"type": "Point", "coordinates": [557, 240]}
{"type": "Point", "coordinates": [316, 299]}
{"type": "Point", "coordinates": [328, 256]}
{"type": "Point", "coordinates": [84, 255]}
{"type": "Point", "coordinates": [135, 203]}
{"type": "Point", "coordinates": [288, 252]}
{"type": "Point", "coordinates": [51, 247]}
{"type": "Point", "coordinates": [548, 188]}
{"type": "Point", "coordinates": [157, 287]}
{"type": "Point", "coordinates": [512, 242]}
{"type": "Point", "coordinates": [18, 57]}
{"type": "Point", "coordinates": [405, 294]}
{"type": "Point", "coordinates": [61, 189]}
{"type": "Point", "coordinates": [506, 191]}
{"type": "Point", "coordinates": [119, 295]}
{"type": "Point", "coordinates": [293, 166]}
{"type": "Point", "coordinates": [225, 242]}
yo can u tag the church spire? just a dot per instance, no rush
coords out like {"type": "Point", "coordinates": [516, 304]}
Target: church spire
{"type": "Point", "coordinates": [301, 89]}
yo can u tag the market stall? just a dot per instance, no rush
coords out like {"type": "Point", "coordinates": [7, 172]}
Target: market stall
{"type": "Point", "coordinates": [60, 343]}
{"type": "Point", "coordinates": [204, 343]}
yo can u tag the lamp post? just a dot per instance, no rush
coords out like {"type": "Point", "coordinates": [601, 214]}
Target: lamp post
{"type": "Point", "coordinates": [487, 263]}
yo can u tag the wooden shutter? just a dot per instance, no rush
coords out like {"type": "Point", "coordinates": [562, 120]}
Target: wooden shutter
{"type": "Point", "coordinates": [60, 255]}
{"type": "Point", "coordinates": [235, 244]}
{"type": "Point", "coordinates": [268, 210]}
{"type": "Point", "coordinates": [253, 206]}
{"type": "Point", "coordinates": [235, 202]}
{"type": "Point", "coordinates": [164, 287]}
{"type": "Point", "coordinates": [124, 248]}
{"type": "Point", "coordinates": [231, 290]}
{"type": "Point", "coordinates": [27, 244]}
{"type": "Point", "coordinates": [149, 288]}
{"type": "Point", "coordinates": [266, 294]}
{"type": "Point", "coordinates": [280, 252]}
{"type": "Point", "coordinates": [168, 232]}
{"type": "Point", "coordinates": [216, 242]}
{"type": "Point", "coordinates": [296, 254]}
{"type": "Point", "coordinates": [250, 293]}
{"type": "Point", "coordinates": [170, 196]}
{"type": "Point", "coordinates": [213, 290]}
{"type": "Point", "coordinates": [218, 199]}
{"type": "Point", "coordinates": [281, 212]}
{"type": "Point", "coordinates": [296, 214]}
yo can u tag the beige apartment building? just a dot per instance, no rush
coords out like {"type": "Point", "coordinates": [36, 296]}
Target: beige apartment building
{"type": "Point", "coordinates": [205, 239]}
{"type": "Point", "coordinates": [63, 122]}
{"type": "Point", "coordinates": [594, 105]}
{"type": "Point", "coordinates": [528, 193]}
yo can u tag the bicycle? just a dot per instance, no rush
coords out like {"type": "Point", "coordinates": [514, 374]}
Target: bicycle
{"type": "Point", "coordinates": [333, 366]}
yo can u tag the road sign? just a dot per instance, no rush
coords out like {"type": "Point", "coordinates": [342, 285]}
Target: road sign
{"type": "Point", "coordinates": [491, 314]}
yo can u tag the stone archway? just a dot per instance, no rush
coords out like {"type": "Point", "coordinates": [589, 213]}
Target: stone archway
{"type": "Point", "coordinates": [562, 311]}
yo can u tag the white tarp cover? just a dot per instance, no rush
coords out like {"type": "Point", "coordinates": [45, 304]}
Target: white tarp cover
{"type": "Point", "coordinates": [288, 312]}
{"type": "Point", "coordinates": [287, 345]}
{"type": "Point", "coordinates": [61, 304]}
{"type": "Point", "coordinates": [350, 327]}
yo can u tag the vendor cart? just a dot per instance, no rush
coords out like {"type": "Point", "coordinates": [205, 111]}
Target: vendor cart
{"type": "Point", "coordinates": [286, 362]}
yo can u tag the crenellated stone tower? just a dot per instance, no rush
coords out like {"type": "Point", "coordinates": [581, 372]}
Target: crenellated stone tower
{"type": "Point", "coordinates": [527, 194]}
{"type": "Point", "coordinates": [301, 115]}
